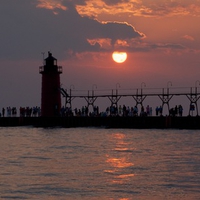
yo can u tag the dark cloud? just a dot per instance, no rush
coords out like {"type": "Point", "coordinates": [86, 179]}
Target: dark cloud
{"type": "Point", "coordinates": [114, 2]}
{"type": "Point", "coordinates": [121, 31]}
{"type": "Point", "coordinates": [27, 30]}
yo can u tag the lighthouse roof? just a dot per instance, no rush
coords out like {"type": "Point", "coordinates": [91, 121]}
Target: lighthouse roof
{"type": "Point", "coordinates": [50, 57]}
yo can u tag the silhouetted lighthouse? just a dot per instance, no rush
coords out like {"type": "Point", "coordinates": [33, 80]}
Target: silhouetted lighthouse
{"type": "Point", "coordinates": [51, 97]}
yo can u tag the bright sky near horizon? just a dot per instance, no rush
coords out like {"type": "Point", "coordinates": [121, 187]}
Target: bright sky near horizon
{"type": "Point", "coordinates": [160, 37]}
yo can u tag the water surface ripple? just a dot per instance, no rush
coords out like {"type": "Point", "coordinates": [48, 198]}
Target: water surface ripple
{"type": "Point", "coordinates": [92, 163]}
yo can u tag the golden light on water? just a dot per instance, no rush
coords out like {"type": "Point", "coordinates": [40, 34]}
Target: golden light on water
{"type": "Point", "coordinates": [120, 163]}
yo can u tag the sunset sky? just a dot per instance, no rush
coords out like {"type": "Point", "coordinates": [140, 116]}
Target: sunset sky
{"type": "Point", "coordinates": [161, 38]}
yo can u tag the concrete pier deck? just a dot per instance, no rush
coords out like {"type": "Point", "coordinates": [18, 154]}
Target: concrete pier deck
{"type": "Point", "coordinates": [105, 122]}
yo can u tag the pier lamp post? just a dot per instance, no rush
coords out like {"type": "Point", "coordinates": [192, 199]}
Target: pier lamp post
{"type": "Point", "coordinates": [142, 84]}
{"type": "Point", "coordinates": [70, 94]}
{"type": "Point", "coordinates": [168, 83]}
{"type": "Point", "coordinates": [117, 86]}
{"type": "Point", "coordinates": [70, 90]}
{"type": "Point", "coordinates": [94, 85]}
{"type": "Point", "coordinates": [196, 85]}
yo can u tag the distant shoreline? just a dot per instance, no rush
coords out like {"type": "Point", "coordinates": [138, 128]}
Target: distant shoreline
{"type": "Point", "coordinates": [161, 122]}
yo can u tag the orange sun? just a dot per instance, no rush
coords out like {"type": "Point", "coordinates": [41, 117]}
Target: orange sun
{"type": "Point", "coordinates": [119, 57]}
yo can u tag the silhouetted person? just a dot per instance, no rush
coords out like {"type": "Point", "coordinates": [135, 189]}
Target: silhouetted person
{"type": "Point", "coordinates": [3, 112]}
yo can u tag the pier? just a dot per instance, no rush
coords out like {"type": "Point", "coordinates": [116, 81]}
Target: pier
{"type": "Point", "coordinates": [116, 120]}
{"type": "Point", "coordinates": [105, 122]}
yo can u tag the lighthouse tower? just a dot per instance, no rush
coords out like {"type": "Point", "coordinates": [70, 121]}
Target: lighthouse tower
{"type": "Point", "coordinates": [50, 97]}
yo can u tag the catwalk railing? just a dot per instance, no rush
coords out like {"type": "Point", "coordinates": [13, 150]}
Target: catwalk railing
{"type": "Point", "coordinates": [138, 94]}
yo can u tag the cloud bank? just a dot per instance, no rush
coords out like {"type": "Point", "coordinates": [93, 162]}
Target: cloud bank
{"type": "Point", "coordinates": [29, 27]}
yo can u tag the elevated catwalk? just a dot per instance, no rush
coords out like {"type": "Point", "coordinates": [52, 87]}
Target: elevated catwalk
{"type": "Point", "coordinates": [138, 95]}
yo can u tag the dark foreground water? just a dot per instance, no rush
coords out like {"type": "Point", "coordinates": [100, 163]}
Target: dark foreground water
{"type": "Point", "coordinates": [94, 164]}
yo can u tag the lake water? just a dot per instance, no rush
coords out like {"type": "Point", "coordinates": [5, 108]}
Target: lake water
{"type": "Point", "coordinates": [99, 164]}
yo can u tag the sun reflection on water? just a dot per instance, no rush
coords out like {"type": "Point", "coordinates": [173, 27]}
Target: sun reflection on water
{"type": "Point", "coordinates": [120, 164]}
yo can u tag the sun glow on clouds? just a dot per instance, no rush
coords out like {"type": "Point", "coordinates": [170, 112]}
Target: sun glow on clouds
{"type": "Point", "coordinates": [103, 42]}
{"type": "Point", "coordinates": [51, 4]}
{"type": "Point", "coordinates": [140, 8]}
{"type": "Point", "coordinates": [188, 37]}
{"type": "Point", "coordinates": [94, 8]}
{"type": "Point", "coordinates": [106, 43]}
{"type": "Point", "coordinates": [97, 7]}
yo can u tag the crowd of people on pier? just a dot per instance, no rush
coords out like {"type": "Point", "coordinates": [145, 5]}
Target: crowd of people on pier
{"type": "Point", "coordinates": [175, 111]}
{"type": "Point", "coordinates": [23, 112]}
{"type": "Point", "coordinates": [113, 110]}
{"type": "Point", "coordinates": [110, 111]}
{"type": "Point", "coordinates": [125, 111]}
